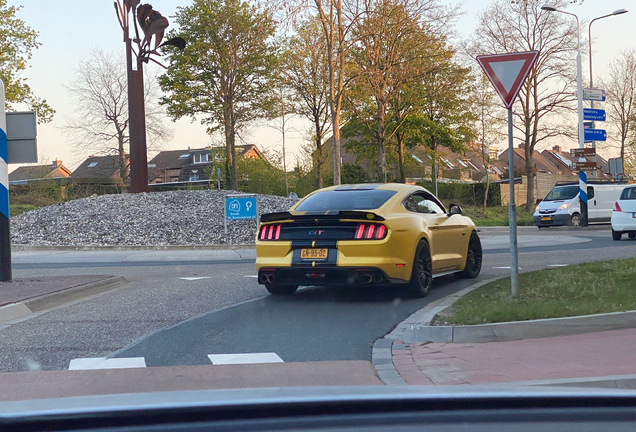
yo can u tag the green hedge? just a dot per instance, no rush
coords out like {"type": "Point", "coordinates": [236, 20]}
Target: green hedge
{"type": "Point", "coordinates": [465, 193]}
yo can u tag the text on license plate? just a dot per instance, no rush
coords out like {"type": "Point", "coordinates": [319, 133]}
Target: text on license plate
{"type": "Point", "coordinates": [314, 254]}
{"type": "Point", "coordinates": [546, 218]}
{"type": "Point", "coordinates": [634, 215]}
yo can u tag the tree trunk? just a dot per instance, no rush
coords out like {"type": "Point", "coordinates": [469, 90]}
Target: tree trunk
{"type": "Point", "coordinates": [318, 158]}
{"type": "Point", "coordinates": [530, 186]}
{"type": "Point", "coordinates": [122, 159]}
{"type": "Point", "coordinates": [400, 141]}
{"type": "Point", "coordinates": [229, 155]}
{"type": "Point", "coordinates": [233, 156]}
{"type": "Point", "coordinates": [486, 192]}
{"type": "Point", "coordinates": [381, 145]}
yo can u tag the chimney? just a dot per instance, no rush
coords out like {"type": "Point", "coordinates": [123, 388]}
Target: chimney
{"type": "Point", "coordinates": [556, 148]}
{"type": "Point", "coordinates": [492, 153]}
{"type": "Point", "coordinates": [57, 163]}
{"type": "Point", "coordinates": [522, 145]}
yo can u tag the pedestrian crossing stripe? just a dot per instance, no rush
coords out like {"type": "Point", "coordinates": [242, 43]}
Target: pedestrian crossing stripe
{"type": "Point", "coordinates": [107, 363]}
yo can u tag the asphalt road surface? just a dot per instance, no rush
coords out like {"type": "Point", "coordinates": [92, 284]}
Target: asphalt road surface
{"type": "Point", "coordinates": [182, 306]}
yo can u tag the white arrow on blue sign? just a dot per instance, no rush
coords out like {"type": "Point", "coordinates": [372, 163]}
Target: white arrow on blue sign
{"type": "Point", "coordinates": [595, 135]}
{"type": "Point", "coordinates": [593, 114]}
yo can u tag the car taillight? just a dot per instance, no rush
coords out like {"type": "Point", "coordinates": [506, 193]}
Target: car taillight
{"type": "Point", "coordinates": [269, 232]}
{"type": "Point", "coordinates": [370, 231]}
{"type": "Point", "coordinates": [617, 208]}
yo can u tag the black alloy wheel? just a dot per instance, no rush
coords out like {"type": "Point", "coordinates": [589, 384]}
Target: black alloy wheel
{"type": "Point", "coordinates": [422, 274]}
{"type": "Point", "coordinates": [616, 235]}
{"type": "Point", "coordinates": [473, 257]}
{"type": "Point", "coordinates": [281, 290]}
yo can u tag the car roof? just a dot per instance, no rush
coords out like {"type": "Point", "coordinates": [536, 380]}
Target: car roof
{"type": "Point", "coordinates": [398, 187]}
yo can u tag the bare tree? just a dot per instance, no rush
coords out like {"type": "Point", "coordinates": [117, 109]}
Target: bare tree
{"type": "Point", "coordinates": [99, 91]}
{"type": "Point", "coordinates": [621, 97]}
{"type": "Point", "coordinates": [489, 123]}
{"type": "Point", "coordinates": [305, 72]}
{"type": "Point", "coordinates": [550, 90]}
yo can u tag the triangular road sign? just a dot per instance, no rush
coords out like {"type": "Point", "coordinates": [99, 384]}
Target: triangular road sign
{"type": "Point", "coordinates": [508, 72]}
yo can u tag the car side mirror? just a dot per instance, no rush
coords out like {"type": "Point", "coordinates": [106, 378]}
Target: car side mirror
{"type": "Point", "coordinates": [454, 209]}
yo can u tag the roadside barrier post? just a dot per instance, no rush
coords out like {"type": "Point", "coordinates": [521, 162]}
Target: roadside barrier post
{"type": "Point", "coordinates": [5, 234]}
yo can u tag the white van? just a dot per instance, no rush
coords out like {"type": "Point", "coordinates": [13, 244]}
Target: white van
{"type": "Point", "coordinates": [561, 205]}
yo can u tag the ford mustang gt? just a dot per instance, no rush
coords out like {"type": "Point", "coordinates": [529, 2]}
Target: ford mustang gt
{"type": "Point", "coordinates": [367, 234]}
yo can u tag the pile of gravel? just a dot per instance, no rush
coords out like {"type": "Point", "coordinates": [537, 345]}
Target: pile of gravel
{"type": "Point", "coordinates": [153, 219]}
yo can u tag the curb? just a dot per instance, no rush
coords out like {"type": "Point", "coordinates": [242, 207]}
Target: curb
{"type": "Point", "coordinates": [612, 381]}
{"type": "Point", "coordinates": [382, 351]}
{"type": "Point", "coordinates": [16, 248]}
{"type": "Point", "coordinates": [41, 303]}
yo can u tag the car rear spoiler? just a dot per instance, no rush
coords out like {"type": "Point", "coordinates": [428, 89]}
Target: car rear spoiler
{"type": "Point", "coordinates": [327, 216]}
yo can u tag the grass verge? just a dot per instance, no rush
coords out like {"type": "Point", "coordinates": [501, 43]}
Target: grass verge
{"type": "Point", "coordinates": [583, 289]}
{"type": "Point", "coordinates": [16, 209]}
{"type": "Point", "coordinates": [497, 216]}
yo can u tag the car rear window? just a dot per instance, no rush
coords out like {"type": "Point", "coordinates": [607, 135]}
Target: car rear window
{"type": "Point", "coordinates": [628, 194]}
{"type": "Point", "coordinates": [344, 200]}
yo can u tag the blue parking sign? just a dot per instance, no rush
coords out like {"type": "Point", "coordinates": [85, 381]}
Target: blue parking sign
{"type": "Point", "coordinates": [239, 207]}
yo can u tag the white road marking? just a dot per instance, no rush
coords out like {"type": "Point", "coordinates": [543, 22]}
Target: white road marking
{"type": "Point", "coordinates": [249, 358]}
{"type": "Point", "coordinates": [252, 276]}
{"type": "Point", "coordinates": [558, 265]}
{"type": "Point", "coordinates": [195, 278]}
{"type": "Point", "coordinates": [506, 268]}
{"type": "Point", "coordinates": [107, 363]}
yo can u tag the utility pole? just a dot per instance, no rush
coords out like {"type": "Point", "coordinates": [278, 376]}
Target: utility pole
{"type": "Point", "coordinates": [5, 234]}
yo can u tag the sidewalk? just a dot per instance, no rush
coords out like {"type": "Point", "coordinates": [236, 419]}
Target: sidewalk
{"type": "Point", "coordinates": [602, 354]}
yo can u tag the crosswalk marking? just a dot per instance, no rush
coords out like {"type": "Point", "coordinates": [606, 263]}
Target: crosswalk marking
{"type": "Point", "coordinates": [558, 265]}
{"type": "Point", "coordinates": [107, 363]}
{"type": "Point", "coordinates": [247, 358]}
{"type": "Point", "coordinates": [195, 278]}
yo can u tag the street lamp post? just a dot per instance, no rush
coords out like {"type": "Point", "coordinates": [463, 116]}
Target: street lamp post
{"type": "Point", "coordinates": [579, 95]}
{"type": "Point", "coordinates": [616, 12]}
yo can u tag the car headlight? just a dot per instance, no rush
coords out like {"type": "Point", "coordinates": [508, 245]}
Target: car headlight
{"type": "Point", "coordinates": [563, 206]}
{"type": "Point", "coordinates": [536, 209]}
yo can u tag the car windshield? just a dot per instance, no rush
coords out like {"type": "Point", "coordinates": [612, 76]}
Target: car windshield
{"type": "Point", "coordinates": [346, 199]}
{"type": "Point", "coordinates": [628, 194]}
{"type": "Point", "coordinates": [562, 193]}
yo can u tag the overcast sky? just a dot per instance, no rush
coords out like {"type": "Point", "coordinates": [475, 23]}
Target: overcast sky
{"type": "Point", "coordinates": [69, 28]}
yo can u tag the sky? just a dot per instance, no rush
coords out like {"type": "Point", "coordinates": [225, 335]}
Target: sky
{"type": "Point", "coordinates": [68, 29]}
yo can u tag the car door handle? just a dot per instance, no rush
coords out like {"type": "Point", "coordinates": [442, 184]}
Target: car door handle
{"type": "Point", "coordinates": [594, 202]}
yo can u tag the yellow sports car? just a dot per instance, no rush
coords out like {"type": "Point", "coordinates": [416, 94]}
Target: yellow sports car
{"type": "Point", "coordinates": [366, 234]}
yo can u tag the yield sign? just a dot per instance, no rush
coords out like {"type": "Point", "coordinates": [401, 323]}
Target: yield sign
{"type": "Point", "coordinates": [507, 72]}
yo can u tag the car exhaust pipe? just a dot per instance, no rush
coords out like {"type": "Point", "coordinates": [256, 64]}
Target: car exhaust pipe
{"type": "Point", "coordinates": [266, 278]}
{"type": "Point", "coordinates": [377, 278]}
{"type": "Point", "coordinates": [365, 278]}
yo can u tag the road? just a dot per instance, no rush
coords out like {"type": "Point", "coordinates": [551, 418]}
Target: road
{"type": "Point", "coordinates": [181, 306]}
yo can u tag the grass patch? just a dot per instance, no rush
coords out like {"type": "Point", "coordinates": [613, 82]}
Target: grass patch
{"type": "Point", "coordinates": [16, 209]}
{"type": "Point", "coordinates": [583, 289]}
{"type": "Point", "coordinates": [497, 216]}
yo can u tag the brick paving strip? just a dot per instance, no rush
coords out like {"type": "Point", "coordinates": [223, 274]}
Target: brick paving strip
{"type": "Point", "coordinates": [595, 358]}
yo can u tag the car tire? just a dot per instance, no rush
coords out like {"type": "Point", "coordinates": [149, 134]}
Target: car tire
{"type": "Point", "coordinates": [616, 235]}
{"type": "Point", "coordinates": [422, 273]}
{"type": "Point", "coordinates": [631, 235]}
{"type": "Point", "coordinates": [281, 290]}
{"type": "Point", "coordinates": [474, 257]}
{"type": "Point", "coordinates": [575, 220]}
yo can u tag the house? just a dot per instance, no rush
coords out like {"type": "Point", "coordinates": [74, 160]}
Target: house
{"type": "Point", "coordinates": [98, 169]}
{"type": "Point", "coordinates": [540, 163]}
{"type": "Point", "coordinates": [565, 160]}
{"type": "Point", "coordinates": [38, 172]}
{"type": "Point", "coordinates": [190, 165]}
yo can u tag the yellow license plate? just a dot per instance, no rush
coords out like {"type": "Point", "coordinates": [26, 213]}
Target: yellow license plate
{"type": "Point", "coordinates": [546, 218]}
{"type": "Point", "coordinates": [314, 254]}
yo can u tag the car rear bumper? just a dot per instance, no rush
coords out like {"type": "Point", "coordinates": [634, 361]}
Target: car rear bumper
{"type": "Point", "coordinates": [308, 275]}
{"type": "Point", "coordinates": [346, 262]}
{"type": "Point", "coordinates": [554, 219]}
{"type": "Point", "coordinates": [623, 221]}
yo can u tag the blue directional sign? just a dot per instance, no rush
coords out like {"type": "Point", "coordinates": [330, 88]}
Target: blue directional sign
{"type": "Point", "coordinates": [240, 207]}
{"type": "Point", "coordinates": [595, 135]}
{"type": "Point", "coordinates": [593, 114]}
